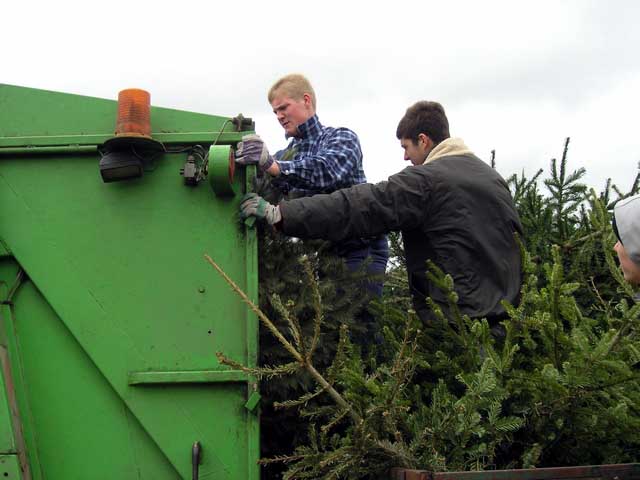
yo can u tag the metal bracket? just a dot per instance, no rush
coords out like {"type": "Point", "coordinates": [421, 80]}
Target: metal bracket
{"type": "Point", "coordinates": [242, 123]}
{"type": "Point", "coordinates": [253, 401]}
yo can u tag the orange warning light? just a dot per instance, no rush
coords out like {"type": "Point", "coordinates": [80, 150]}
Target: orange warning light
{"type": "Point", "coordinates": [134, 113]}
{"type": "Point", "coordinates": [125, 155]}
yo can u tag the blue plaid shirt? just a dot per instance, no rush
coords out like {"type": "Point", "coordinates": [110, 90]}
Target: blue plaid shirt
{"type": "Point", "coordinates": [321, 160]}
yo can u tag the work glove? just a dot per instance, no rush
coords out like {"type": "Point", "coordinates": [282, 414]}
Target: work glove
{"type": "Point", "coordinates": [252, 151]}
{"type": "Point", "coordinates": [253, 205]}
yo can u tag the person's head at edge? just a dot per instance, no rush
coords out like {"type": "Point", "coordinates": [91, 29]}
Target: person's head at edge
{"type": "Point", "coordinates": [626, 225]}
{"type": "Point", "coordinates": [423, 126]}
{"type": "Point", "coordinates": [293, 101]}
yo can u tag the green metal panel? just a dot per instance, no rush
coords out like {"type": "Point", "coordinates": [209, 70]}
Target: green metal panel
{"type": "Point", "coordinates": [30, 117]}
{"type": "Point", "coordinates": [9, 467]}
{"type": "Point", "coordinates": [71, 408]}
{"type": "Point", "coordinates": [112, 336]}
{"type": "Point", "coordinates": [7, 442]}
{"type": "Point", "coordinates": [11, 278]}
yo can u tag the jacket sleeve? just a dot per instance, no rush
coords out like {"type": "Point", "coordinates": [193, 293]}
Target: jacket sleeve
{"type": "Point", "coordinates": [360, 211]}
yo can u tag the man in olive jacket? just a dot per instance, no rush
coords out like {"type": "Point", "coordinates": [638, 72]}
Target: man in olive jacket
{"type": "Point", "coordinates": [451, 207]}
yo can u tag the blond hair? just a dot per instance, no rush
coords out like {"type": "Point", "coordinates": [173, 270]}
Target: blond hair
{"type": "Point", "coordinates": [294, 85]}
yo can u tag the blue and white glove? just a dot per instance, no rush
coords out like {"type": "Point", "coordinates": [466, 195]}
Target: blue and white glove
{"type": "Point", "coordinates": [252, 151]}
{"type": "Point", "coordinates": [253, 205]}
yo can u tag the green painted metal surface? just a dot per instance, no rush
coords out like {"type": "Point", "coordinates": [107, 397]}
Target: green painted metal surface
{"type": "Point", "coordinates": [111, 335]}
{"type": "Point", "coordinates": [31, 118]}
{"type": "Point", "coordinates": [7, 441]}
{"type": "Point", "coordinates": [10, 467]}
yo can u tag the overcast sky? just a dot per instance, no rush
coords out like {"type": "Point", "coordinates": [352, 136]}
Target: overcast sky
{"type": "Point", "coordinates": [517, 77]}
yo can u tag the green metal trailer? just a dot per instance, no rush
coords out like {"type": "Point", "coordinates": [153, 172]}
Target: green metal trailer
{"type": "Point", "coordinates": [110, 315]}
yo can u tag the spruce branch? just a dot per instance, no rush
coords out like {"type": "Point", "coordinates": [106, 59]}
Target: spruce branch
{"type": "Point", "coordinates": [255, 309]}
{"type": "Point", "coordinates": [304, 399]}
{"type": "Point", "coordinates": [578, 241]}
{"type": "Point", "coordinates": [281, 459]}
{"type": "Point", "coordinates": [334, 421]}
{"type": "Point", "coordinates": [261, 372]}
{"type": "Point", "coordinates": [304, 362]}
{"type": "Point", "coordinates": [291, 319]}
{"type": "Point", "coordinates": [317, 306]}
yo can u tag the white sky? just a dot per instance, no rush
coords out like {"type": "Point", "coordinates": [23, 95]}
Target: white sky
{"type": "Point", "coordinates": [517, 77]}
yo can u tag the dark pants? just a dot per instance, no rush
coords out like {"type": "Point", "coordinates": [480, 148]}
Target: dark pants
{"type": "Point", "coordinates": [378, 250]}
{"type": "Point", "coordinates": [354, 254]}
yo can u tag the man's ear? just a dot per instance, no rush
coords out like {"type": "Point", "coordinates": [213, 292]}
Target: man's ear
{"type": "Point", "coordinates": [425, 139]}
{"type": "Point", "coordinates": [307, 99]}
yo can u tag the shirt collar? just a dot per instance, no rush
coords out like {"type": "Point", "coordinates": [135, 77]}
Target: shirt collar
{"type": "Point", "coordinates": [310, 128]}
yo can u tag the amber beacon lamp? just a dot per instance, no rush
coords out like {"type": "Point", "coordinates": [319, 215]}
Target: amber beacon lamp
{"type": "Point", "coordinates": [124, 156]}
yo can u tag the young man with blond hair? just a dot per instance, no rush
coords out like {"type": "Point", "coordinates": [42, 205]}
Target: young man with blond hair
{"type": "Point", "coordinates": [318, 159]}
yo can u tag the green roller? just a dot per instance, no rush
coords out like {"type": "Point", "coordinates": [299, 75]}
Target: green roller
{"type": "Point", "coordinates": [222, 170]}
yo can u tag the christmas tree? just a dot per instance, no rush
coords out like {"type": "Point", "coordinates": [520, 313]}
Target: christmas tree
{"type": "Point", "coordinates": [560, 387]}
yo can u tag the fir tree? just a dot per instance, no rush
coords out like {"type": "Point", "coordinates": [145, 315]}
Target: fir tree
{"type": "Point", "coordinates": [561, 387]}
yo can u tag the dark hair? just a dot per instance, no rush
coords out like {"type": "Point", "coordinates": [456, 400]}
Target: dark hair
{"type": "Point", "coordinates": [424, 117]}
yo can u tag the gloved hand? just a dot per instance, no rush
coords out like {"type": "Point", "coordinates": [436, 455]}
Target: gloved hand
{"type": "Point", "coordinates": [253, 205]}
{"type": "Point", "coordinates": [252, 151]}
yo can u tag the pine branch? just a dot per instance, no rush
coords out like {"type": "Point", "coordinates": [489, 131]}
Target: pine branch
{"type": "Point", "coordinates": [300, 401]}
{"type": "Point", "coordinates": [255, 309]}
{"type": "Point", "coordinates": [281, 459]}
{"type": "Point", "coordinates": [334, 421]}
{"type": "Point", "coordinates": [337, 398]}
{"type": "Point", "coordinates": [317, 307]}
{"type": "Point", "coordinates": [574, 243]}
{"type": "Point", "coordinates": [294, 325]}
{"type": "Point", "coordinates": [261, 372]}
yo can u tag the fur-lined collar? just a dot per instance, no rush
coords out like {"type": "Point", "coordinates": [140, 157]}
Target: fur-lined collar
{"type": "Point", "coordinates": [447, 148]}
